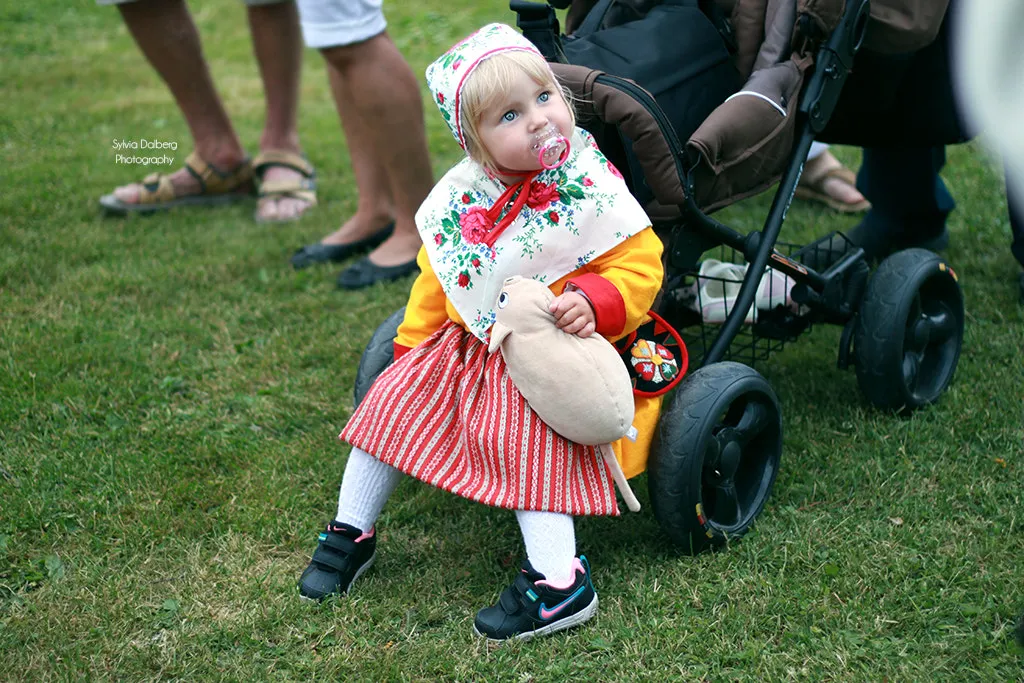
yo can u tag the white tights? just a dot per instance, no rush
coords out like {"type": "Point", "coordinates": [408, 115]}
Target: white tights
{"type": "Point", "coordinates": [365, 487]}
{"type": "Point", "coordinates": [368, 483]}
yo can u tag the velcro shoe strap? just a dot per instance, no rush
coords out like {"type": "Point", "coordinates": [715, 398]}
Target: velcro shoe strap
{"type": "Point", "coordinates": [328, 558]}
{"type": "Point", "coordinates": [511, 601]}
{"type": "Point", "coordinates": [336, 541]}
{"type": "Point", "coordinates": [522, 585]}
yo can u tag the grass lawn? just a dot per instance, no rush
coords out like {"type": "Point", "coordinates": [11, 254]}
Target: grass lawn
{"type": "Point", "coordinates": [171, 392]}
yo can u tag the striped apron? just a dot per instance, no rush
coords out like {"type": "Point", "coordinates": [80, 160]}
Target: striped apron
{"type": "Point", "coordinates": [447, 413]}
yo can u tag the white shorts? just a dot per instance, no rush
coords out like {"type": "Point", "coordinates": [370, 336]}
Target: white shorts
{"type": "Point", "coordinates": [330, 23]}
{"type": "Point", "coordinates": [251, 3]}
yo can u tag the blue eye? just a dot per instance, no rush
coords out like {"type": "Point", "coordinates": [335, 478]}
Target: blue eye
{"type": "Point", "coordinates": [509, 116]}
{"type": "Point", "coordinates": [544, 96]}
{"type": "Point", "coordinates": [503, 300]}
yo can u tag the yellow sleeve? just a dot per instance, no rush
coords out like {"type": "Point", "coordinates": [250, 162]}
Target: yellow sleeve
{"type": "Point", "coordinates": [634, 268]}
{"type": "Point", "coordinates": [425, 312]}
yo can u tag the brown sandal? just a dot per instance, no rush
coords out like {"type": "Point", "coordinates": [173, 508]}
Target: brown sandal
{"type": "Point", "coordinates": [217, 187]}
{"type": "Point", "coordinates": [813, 189]}
{"type": "Point", "coordinates": [303, 188]}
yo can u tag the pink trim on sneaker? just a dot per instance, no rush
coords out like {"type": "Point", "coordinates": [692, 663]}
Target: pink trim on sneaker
{"type": "Point", "coordinates": [577, 567]}
{"type": "Point", "coordinates": [366, 534]}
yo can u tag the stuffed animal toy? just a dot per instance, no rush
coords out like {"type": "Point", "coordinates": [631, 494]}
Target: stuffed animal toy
{"type": "Point", "coordinates": [579, 387]}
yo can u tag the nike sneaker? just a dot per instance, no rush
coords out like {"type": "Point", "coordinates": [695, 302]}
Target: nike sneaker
{"type": "Point", "coordinates": [533, 607]}
{"type": "Point", "coordinates": [342, 556]}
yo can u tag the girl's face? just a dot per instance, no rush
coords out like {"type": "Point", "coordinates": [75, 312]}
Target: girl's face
{"type": "Point", "coordinates": [506, 128]}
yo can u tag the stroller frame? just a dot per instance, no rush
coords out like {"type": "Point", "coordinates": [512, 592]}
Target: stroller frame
{"type": "Point", "coordinates": [836, 290]}
{"type": "Point", "coordinates": [718, 444]}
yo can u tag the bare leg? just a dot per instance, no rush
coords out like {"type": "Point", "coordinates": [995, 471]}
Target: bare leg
{"type": "Point", "coordinates": [836, 188]}
{"type": "Point", "coordinates": [167, 36]}
{"type": "Point", "coordinates": [381, 91]}
{"type": "Point", "coordinates": [374, 209]}
{"type": "Point", "coordinates": [277, 44]}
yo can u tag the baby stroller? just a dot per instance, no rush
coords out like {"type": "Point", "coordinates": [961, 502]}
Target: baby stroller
{"type": "Point", "coordinates": [719, 443]}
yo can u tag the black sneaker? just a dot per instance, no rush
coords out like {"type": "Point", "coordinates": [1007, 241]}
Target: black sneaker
{"type": "Point", "coordinates": [530, 607]}
{"type": "Point", "coordinates": [344, 553]}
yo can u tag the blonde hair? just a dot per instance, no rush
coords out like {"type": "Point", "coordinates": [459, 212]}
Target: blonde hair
{"type": "Point", "coordinates": [492, 80]}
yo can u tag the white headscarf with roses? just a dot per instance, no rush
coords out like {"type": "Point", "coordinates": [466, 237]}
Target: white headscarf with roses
{"type": "Point", "coordinates": [571, 214]}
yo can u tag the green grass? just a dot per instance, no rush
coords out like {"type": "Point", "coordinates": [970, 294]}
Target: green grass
{"type": "Point", "coordinates": [170, 394]}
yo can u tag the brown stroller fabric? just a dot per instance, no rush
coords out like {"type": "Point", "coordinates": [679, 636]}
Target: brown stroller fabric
{"type": "Point", "coordinates": [902, 26]}
{"type": "Point", "coordinates": [596, 102]}
{"type": "Point", "coordinates": [743, 147]}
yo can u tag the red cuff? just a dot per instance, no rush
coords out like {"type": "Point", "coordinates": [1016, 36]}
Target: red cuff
{"type": "Point", "coordinates": [609, 307]}
{"type": "Point", "coordinates": [401, 350]}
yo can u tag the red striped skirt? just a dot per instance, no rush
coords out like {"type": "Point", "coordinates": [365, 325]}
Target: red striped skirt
{"type": "Point", "coordinates": [448, 414]}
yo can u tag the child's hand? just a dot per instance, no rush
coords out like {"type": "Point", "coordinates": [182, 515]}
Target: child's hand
{"type": "Point", "coordinates": [574, 314]}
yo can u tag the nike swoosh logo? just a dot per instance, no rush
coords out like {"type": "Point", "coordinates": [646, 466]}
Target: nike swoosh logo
{"type": "Point", "coordinates": [549, 614]}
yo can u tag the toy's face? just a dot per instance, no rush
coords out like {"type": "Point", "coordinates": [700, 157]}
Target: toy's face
{"type": "Point", "coordinates": [508, 127]}
{"type": "Point", "coordinates": [520, 297]}
{"type": "Point", "coordinates": [522, 307]}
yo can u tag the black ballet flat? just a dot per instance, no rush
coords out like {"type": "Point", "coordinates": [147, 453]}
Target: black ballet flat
{"type": "Point", "coordinates": [318, 252]}
{"type": "Point", "coordinates": [364, 273]}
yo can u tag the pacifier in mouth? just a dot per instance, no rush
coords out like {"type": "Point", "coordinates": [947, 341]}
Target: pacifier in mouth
{"type": "Point", "coordinates": [550, 146]}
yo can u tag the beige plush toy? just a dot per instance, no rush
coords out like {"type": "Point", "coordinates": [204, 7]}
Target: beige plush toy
{"type": "Point", "coordinates": [579, 387]}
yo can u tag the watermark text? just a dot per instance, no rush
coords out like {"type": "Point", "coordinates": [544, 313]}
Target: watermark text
{"type": "Point", "coordinates": [124, 149]}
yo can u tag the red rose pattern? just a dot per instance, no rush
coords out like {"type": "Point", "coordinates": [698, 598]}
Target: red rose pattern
{"type": "Point", "coordinates": [587, 182]}
{"type": "Point", "coordinates": [463, 279]}
{"type": "Point", "coordinates": [474, 225]}
{"type": "Point", "coordinates": [542, 195]}
{"type": "Point", "coordinates": [438, 239]}
{"type": "Point", "coordinates": [614, 171]}
{"type": "Point", "coordinates": [466, 198]}
{"type": "Point", "coordinates": [553, 216]}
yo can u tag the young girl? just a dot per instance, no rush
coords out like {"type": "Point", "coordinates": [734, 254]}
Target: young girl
{"type": "Point", "coordinates": [446, 412]}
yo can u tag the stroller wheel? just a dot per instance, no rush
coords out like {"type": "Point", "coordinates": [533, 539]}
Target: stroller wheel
{"type": "Point", "coordinates": [715, 456]}
{"type": "Point", "coordinates": [378, 354]}
{"type": "Point", "coordinates": [909, 331]}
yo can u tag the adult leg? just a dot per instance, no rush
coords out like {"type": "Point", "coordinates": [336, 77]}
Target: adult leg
{"type": "Point", "coordinates": [827, 181]}
{"type": "Point", "coordinates": [1016, 208]}
{"type": "Point", "coordinates": [378, 94]}
{"type": "Point", "coordinates": [374, 209]}
{"type": "Point", "coordinates": [381, 92]}
{"type": "Point", "coordinates": [909, 200]}
{"type": "Point", "coordinates": [167, 36]}
{"type": "Point", "coordinates": [277, 44]}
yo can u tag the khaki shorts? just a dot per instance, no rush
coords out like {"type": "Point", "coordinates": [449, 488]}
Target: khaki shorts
{"type": "Point", "coordinates": [330, 23]}
{"type": "Point", "coordinates": [326, 23]}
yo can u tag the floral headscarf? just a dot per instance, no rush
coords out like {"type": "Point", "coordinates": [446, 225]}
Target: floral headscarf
{"type": "Point", "coordinates": [448, 74]}
{"type": "Point", "coordinates": [564, 217]}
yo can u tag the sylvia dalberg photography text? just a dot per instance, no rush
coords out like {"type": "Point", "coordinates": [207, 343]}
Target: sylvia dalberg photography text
{"type": "Point", "coordinates": [127, 151]}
